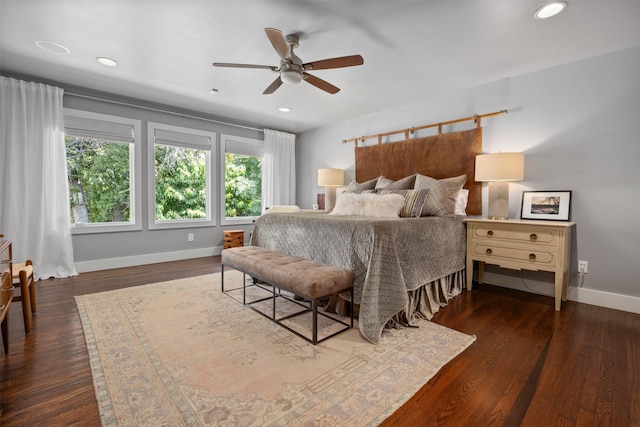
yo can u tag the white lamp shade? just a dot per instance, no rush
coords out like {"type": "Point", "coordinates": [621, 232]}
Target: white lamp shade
{"type": "Point", "coordinates": [330, 177]}
{"type": "Point", "coordinates": [500, 167]}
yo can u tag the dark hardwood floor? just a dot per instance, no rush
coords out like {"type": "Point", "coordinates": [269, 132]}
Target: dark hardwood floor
{"type": "Point", "coordinates": [530, 365]}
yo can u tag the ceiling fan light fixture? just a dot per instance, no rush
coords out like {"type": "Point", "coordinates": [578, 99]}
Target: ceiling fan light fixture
{"type": "Point", "coordinates": [291, 77]}
{"type": "Point", "coordinates": [292, 70]}
{"type": "Point", "coordinates": [550, 9]}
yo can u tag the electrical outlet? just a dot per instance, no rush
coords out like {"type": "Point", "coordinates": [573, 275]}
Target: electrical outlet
{"type": "Point", "coordinates": [583, 267]}
{"type": "Point", "coordinates": [190, 237]}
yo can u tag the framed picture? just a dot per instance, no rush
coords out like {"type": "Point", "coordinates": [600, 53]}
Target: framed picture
{"type": "Point", "coordinates": [546, 205]}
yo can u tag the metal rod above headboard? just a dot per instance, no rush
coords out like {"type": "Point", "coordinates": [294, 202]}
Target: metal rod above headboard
{"type": "Point", "coordinates": [407, 132]}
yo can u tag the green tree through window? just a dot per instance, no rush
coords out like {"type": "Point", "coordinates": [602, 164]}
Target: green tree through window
{"type": "Point", "coordinates": [99, 178]}
{"type": "Point", "coordinates": [100, 161]}
{"type": "Point", "coordinates": [243, 185]}
{"type": "Point", "coordinates": [181, 190]}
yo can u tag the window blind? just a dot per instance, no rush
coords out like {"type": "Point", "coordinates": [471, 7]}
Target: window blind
{"type": "Point", "coordinates": [243, 146]}
{"type": "Point", "coordinates": [181, 139]}
{"type": "Point", "coordinates": [98, 129]}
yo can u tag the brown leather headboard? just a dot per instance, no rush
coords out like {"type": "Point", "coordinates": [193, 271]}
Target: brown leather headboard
{"type": "Point", "coordinates": [439, 156]}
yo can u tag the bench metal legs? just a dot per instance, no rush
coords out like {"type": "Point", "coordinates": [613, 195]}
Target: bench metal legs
{"type": "Point", "coordinates": [311, 307]}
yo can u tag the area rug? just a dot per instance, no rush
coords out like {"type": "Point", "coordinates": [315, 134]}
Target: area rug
{"type": "Point", "coordinates": [182, 353]}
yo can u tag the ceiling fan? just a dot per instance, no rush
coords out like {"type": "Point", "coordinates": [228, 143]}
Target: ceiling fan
{"type": "Point", "coordinates": [292, 70]}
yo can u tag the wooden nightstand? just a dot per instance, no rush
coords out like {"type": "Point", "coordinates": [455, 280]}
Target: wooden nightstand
{"type": "Point", "coordinates": [521, 245]}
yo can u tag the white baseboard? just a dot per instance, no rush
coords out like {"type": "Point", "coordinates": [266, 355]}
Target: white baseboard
{"type": "Point", "coordinates": [604, 299]}
{"type": "Point", "coordinates": [131, 261]}
{"type": "Point", "coordinates": [581, 295]}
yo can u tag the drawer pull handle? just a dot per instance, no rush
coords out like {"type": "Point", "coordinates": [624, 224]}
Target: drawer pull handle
{"type": "Point", "coordinates": [490, 233]}
{"type": "Point", "coordinates": [533, 236]}
{"type": "Point", "coordinates": [532, 257]}
{"type": "Point", "coordinates": [489, 251]}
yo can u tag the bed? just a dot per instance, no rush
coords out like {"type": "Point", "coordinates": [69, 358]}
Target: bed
{"type": "Point", "coordinates": [405, 268]}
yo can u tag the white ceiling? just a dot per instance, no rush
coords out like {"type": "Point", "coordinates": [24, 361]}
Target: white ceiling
{"type": "Point", "coordinates": [413, 50]}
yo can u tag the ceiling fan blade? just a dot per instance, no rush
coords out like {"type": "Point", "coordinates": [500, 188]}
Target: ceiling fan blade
{"type": "Point", "coordinates": [321, 84]}
{"type": "Point", "coordinates": [273, 86]}
{"type": "Point", "coordinates": [279, 42]}
{"type": "Point", "coordinates": [232, 65]}
{"type": "Point", "coordinates": [343, 61]}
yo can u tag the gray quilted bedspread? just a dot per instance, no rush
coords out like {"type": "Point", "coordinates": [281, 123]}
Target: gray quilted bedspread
{"type": "Point", "coordinates": [387, 256]}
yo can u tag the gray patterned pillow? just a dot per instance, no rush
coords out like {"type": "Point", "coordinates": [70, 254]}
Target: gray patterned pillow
{"type": "Point", "coordinates": [401, 184]}
{"type": "Point", "coordinates": [413, 201]}
{"type": "Point", "coordinates": [383, 182]}
{"type": "Point", "coordinates": [441, 200]}
{"type": "Point", "coordinates": [355, 187]}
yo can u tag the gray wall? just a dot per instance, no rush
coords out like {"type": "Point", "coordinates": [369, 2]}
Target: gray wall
{"type": "Point", "coordinates": [578, 125]}
{"type": "Point", "coordinates": [107, 250]}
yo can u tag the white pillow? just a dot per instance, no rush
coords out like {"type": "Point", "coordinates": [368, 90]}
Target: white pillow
{"type": "Point", "coordinates": [369, 204]}
{"type": "Point", "coordinates": [461, 202]}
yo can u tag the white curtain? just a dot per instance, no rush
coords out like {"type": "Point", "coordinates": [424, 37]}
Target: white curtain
{"type": "Point", "coordinates": [279, 169]}
{"type": "Point", "coordinates": [34, 193]}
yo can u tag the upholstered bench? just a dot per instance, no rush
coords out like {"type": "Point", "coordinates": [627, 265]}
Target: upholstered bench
{"type": "Point", "coordinates": [308, 280]}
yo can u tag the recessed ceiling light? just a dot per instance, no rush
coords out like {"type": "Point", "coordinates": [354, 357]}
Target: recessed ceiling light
{"type": "Point", "coordinates": [213, 91]}
{"type": "Point", "coordinates": [284, 109]}
{"type": "Point", "coordinates": [550, 9]}
{"type": "Point", "coordinates": [52, 47]}
{"type": "Point", "coordinates": [107, 61]}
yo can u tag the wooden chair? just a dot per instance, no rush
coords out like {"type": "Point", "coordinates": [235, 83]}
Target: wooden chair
{"type": "Point", "coordinates": [23, 273]}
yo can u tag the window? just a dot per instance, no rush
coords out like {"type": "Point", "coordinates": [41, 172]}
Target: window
{"type": "Point", "coordinates": [242, 196]}
{"type": "Point", "coordinates": [103, 169]}
{"type": "Point", "coordinates": [179, 176]}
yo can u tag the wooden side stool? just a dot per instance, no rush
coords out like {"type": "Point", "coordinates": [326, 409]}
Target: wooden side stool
{"type": "Point", "coordinates": [233, 238]}
{"type": "Point", "coordinates": [23, 272]}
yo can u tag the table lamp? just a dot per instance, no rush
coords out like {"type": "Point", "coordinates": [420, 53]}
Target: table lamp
{"type": "Point", "coordinates": [330, 179]}
{"type": "Point", "coordinates": [498, 169]}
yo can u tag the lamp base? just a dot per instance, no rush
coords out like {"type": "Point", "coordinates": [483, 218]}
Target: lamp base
{"type": "Point", "coordinates": [330, 198]}
{"type": "Point", "coordinates": [498, 200]}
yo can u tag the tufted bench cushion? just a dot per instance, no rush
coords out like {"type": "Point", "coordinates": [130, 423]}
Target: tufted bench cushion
{"type": "Point", "coordinates": [307, 279]}
{"type": "Point", "coordinates": [303, 277]}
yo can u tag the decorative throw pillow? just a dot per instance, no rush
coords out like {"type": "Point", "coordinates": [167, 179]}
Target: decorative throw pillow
{"type": "Point", "coordinates": [413, 201]}
{"type": "Point", "coordinates": [369, 204]}
{"type": "Point", "coordinates": [355, 187]}
{"type": "Point", "coordinates": [383, 182]}
{"type": "Point", "coordinates": [405, 183]}
{"type": "Point", "coordinates": [441, 200]}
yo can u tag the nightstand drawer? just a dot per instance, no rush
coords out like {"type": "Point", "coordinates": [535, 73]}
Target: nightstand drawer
{"type": "Point", "coordinates": [508, 256]}
{"type": "Point", "coordinates": [520, 234]}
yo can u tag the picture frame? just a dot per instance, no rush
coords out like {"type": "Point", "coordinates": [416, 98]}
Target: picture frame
{"type": "Point", "coordinates": [546, 205]}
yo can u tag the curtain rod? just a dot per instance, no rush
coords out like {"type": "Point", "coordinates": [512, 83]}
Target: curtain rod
{"type": "Point", "coordinates": [477, 118]}
{"type": "Point", "coordinates": [160, 110]}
